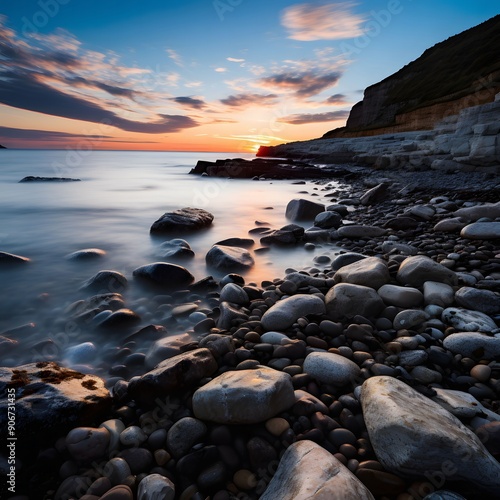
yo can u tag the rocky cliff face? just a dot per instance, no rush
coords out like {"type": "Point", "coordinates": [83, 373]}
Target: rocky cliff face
{"type": "Point", "coordinates": [461, 72]}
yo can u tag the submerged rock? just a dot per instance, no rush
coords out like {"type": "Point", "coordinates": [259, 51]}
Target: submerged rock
{"type": "Point", "coordinates": [167, 275]}
{"type": "Point", "coordinates": [184, 219]}
{"type": "Point", "coordinates": [31, 178]}
{"type": "Point", "coordinates": [10, 258]}
{"type": "Point", "coordinates": [86, 254]}
{"type": "Point", "coordinates": [176, 249]}
{"type": "Point", "coordinates": [106, 281]}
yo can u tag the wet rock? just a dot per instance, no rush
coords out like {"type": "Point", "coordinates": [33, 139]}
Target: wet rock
{"type": "Point", "coordinates": [168, 347]}
{"type": "Point", "coordinates": [416, 270]}
{"type": "Point", "coordinates": [87, 444]}
{"type": "Point", "coordinates": [228, 314]}
{"type": "Point", "coordinates": [401, 296]}
{"type": "Point", "coordinates": [490, 210]}
{"type": "Point", "coordinates": [390, 408]}
{"type": "Point", "coordinates": [473, 345]}
{"type": "Point", "coordinates": [345, 259]}
{"type": "Point", "coordinates": [410, 318]}
{"type": "Point", "coordinates": [237, 242]}
{"type": "Point", "coordinates": [86, 254]}
{"type": "Point", "coordinates": [156, 487]}
{"type": "Point", "coordinates": [481, 231]}
{"type": "Point", "coordinates": [465, 320]}
{"type": "Point", "coordinates": [123, 318]}
{"type": "Point", "coordinates": [169, 276]}
{"type": "Point", "coordinates": [183, 435]}
{"type": "Point", "coordinates": [347, 301]}
{"type": "Point", "coordinates": [81, 353]}
{"type": "Point", "coordinates": [356, 231]}
{"type": "Point", "coordinates": [331, 368]}
{"type": "Point", "coordinates": [484, 301]}
{"type": "Point", "coordinates": [306, 470]}
{"type": "Point", "coordinates": [328, 220]}
{"type": "Point", "coordinates": [287, 235]}
{"type": "Point", "coordinates": [106, 281]}
{"type": "Point", "coordinates": [235, 294]}
{"type": "Point", "coordinates": [244, 396]}
{"type": "Point", "coordinates": [7, 259]}
{"type": "Point", "coordinates": [232, 258]}
{"type": "Point", "coordinates": [176, 249]}
{"type": "Point", "coordinates": [376, 194]}
{"type": "Point", "coordinates": [50, 398]}
{"type": "Point", "coordinates": [438, 294]}
{"type": "Point", "coordinates": [371, 272]}
{"type": "Point", "coordinates": [32, 178]}
{"type": "Point", "coordinates": [303, 210]}
{"type": "Point", "coordinates": [172, 375]}
{"type": "Point", "coordinates": [184, 219]}
{"type": "Point", "coordinates": [286, 311]}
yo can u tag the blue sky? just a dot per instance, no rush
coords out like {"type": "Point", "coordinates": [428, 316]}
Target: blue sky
{"type": "Point", "coordinates": [204, 74]}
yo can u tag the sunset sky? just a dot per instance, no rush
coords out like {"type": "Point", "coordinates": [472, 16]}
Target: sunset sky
{"type": "Point", "coordinates": [203, 75]}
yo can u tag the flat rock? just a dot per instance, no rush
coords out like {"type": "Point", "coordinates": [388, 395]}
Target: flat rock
{"type": "Point", "coordinates": [169, 276]}
{"type": "Point", "coordinates": [331, 368]}
{"type": "Point", "coordinates": [473, 345]}
{"type": "Point", "coordinates": [346, 301]}
{"type": "Point", "coordinates": [372, 272]}
{"type": "Point", "coordinates": [401, 296]}
{"type": "Point", "coordinates": [465, 320]}
{"type": "Point", "coordinates": [50, 398]}
{"type": "Point", "coordinates": [404, 427]}
{"type": "Point", "coordinates": [244, 396]}
{"type": "Point", "coordinates": [237, 242]}
{"type": "Point", "coordinates": [286, 311]}
{"type": "Point", "coordinates": [484, 301]}
{"type": "Point", "coordinates": [183, 219]}
{"type": "Point", "coordinates": [481, 231]}
{"type": "Point", "coordinates": [10, 258]}
{"type": "Point", "coordinates": [173, 374]}
{"type": "Point", "coordinates": [302, 210]}
{"type": "Point", "coordinates": [416, 270]}
{"type": "Point", "coordinates": [106, 281]}
{"type": "Point", "coordinates": [308, 471]}
{"type": "Point", "coordinates": [229, 258]}
{"type": "Point", "coordinates": [357, 231]}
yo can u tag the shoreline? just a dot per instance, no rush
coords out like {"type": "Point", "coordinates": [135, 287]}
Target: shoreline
{"type": "Point", "coordinates": [244, 456]}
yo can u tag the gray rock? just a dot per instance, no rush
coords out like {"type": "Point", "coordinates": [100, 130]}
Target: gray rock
{"type": "Point", "coordinates": [376, 194]}
{"type": "Point", "coordinates": [302, 210]}
{"type": "Point", "coordinates": [228, 314]}
{"type": "Point", "coordinates": [168, 347]}
{"type": "Point", "coordinates": [184, 219]}
{"type": "Point", "coordinates": [401, 248]}
{"type": "Point", "coordinates": [169, 276]}
{"type": "Point", "coordinates": [235, 294]}
{"type": "Point", "coordinates": [156, 487]}
{"type": "Point", "coordinates": [237, 242]}
{"type": "Point", "coordinates": [50, 398]}
{"type": "Point", "coordinates": [183, 435]}
{"type": "Point", "coordinates": [473, 345]}
{"type": "Point", "coordinates": [176, 249]}
{"type": "Point", "coordinates": [481, 231]}
{"type": "Point", "coordinates": [416, 270]}
{"type": "Point", "coordinates": [462, 404]}
{"type": "Point", "coordinates": [286, 311]}
{"type": "Point", "coordinates": [444, 495]}
{"type": "Point", "coordinates": [119, 492]}
{"type": "Point", "coordinates": [490, 210]}
{"type": "Point", "coordinates": [331, 368]}
{"type": "Point", "coordinates": [308, 471]}
{"type": "Point", "coordinates": [173, 374]}
{"type": "Point", "coordinates": [287, 235]}
{"type": "Point", "coordinates": [372, 272]}
{"type": "Point", "coordinates": [450, 225]}
{"type": "Point", "coordinates": [468, 321]}
{"type": "Point", "coordinates": [340, 209]}
{"type": "Point", "coordinates": [115, 427]}
{"type": "Point", "coordinates": [123, 318]}
{"type": "Point", "coordinates": [438, 294]}
{"type": "Point", "coordinates": [116, 470]}
{"type": "Point", "coordinates": [301, 279]}
{"type": "Point", "coordinates": [424, 212]}
{"type": "Point", "coordinates": [357, 231]}
{"type": "Point", "coordinates": [345, 259]}
{"type": "Point", "coordinates": [410, 318]}
{"type": "Point", "coordinates": [10, 258]}
{"type": "Point", "coordinates": [484, 301]}
{"type": "Point", "coordinates": [244, 396]}
{"type": "Point", "coordinates": [413, 358]}
{"type": "Point", "coordinates": [86, 444]}
{"type": "Point", "coordinates": [401, 296]}
{"type": "Point", "coordinates": [81, 354]}
{"type": "Point", "coordinates": [404, 427]}
{"type": "Point", "coordinates": [106, 281]}
{"type": "Point", "coordinates": [328, 220]}
{"type": "Point", "coordinates": [232, 258]}
{"type": "Point", "coordinates": [346, 301]}
{"type": "Point", "coordinates": [133, 436]}
{"type": "Point", "coordinates": [86, 254]}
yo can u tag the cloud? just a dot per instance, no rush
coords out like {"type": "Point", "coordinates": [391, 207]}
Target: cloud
{"type": "Point", "coordinates": [242, 100]}
{"type": "Point", "coordinates": [221, 70]}
{"type": "Point", "coordinates": [172, 54]}
{"type": "Point", "coordinates": [308, 22]}
{"type": "Point", "coordinates": [301, 119]}
{"type": "Point", "coordinates": [190, 102]}
{"type": "Point", "coordinates": [43, 135]}
{"type": "Point", "coordinates": [336, 99]}
{"type": "Point", "coordinates": [232, 59]}
{"type": "Point", "coordinates": [303, 84]}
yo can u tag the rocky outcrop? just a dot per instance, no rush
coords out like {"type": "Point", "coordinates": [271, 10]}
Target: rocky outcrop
{"type": "Point", "coordinates": [32, 178]}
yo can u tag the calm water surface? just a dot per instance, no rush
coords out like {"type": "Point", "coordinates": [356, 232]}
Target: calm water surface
{"type": "Point", "coordinates": [120, 195]}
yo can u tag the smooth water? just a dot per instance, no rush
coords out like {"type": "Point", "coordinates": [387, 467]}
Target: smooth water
{"type": "Point", "coordinates": [120, 195]}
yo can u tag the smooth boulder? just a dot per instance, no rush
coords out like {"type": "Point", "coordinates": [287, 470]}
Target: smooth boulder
{"type": "Point", "coordinates": [484, 301]}
{"type": "Point", "coordinates": [308, 471]}
{"type": "Point", "coordinates": [166, 275]}
{"type": "Point", "coordinates": [473, 345]}
{"type": "Point", "coordinates": [106, 281]}
{"type": "Point", "coordinates": [372, 272]}
{"type": "Point", "coordinates": [183, 219]}
{"type": "Point", "coordinates": [176, 249]}
{"type": "Point", "coordinates": [344, 301]}
{"type": "Point", "coordinates": [413, 436]}
{"type": "Point", "coordinates": [303, 210]}
{"type": "Point", "coordinates": [229, 258]}
{"type": "Point", "coordinates": [481, 231]}
{"type": "Point", "coordinates": [416, 270]}
{"type": "Point", "coordinates": [330, 368]}
{"type": "Point", "coordinates": [465, 320]}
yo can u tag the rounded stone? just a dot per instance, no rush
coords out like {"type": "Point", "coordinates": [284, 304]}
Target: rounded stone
{"type": "Point", "coordinates": [167, 275]}
{"type": "Point", "coordinates": [87, 443]}
{"type": "Point", "coordinates": [117, 470]}
{"type": "Point", "coordinates": [245, 479]}
{"type": "Point", "coordinates": [183, 435]}
{"type": "Point", "coordinates": [401, 296]}
{"type": "Point", "coordinates": [331, 368]}
{"type": "Point", "coordinates": [233, 258]}
{"type": "Point", "coordinates": [133, 436]}
{"type": "Point", "coordinates": [345, 300]}
{"type": "Point", "coordinates": [473, 345]}
{"type": "Point", "coordinates": [120, 492]}
{"type": "Point", "coordinates": [409, 319]}
{"type": "Point", "coordinates": [465, 320]}
{"type": "Point", "coordinates": [371, 272]}
{"type": "Point", "coordinates": [277, 426]}
{"type": "Point", "coordinates": [481, 373]}
{"type": "Point", "coordinates": [156, 487]}
{"type": "Point", "coordinates": [235, 294]}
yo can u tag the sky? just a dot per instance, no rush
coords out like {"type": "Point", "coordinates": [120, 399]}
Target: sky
{"type": "Point", "coordinates": [203, 75]}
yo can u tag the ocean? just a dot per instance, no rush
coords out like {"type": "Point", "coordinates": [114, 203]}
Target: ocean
{"type": "Point", "coordinates": [120, 195]}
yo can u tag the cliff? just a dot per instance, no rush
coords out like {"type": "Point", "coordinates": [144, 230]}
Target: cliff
{"type": "Point", "coordinates": [461, 72]}
{"type": "Point", "coordinates": [2, 147]}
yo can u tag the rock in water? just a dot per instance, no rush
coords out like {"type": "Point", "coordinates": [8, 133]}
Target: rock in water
{"type": "Point", "coordinates": [176, 249]}
{"type": "Point", "coordinates": [308, 471]}
{"type": "Point", "coordinates": [86, 254]}
{"type": "Point", "coordinates": [415, 437]}
{"type": "Point", "coordinates": [50, 398]}
{"type": "Point", "coordinates": [10, 258]}
{"type": "Point", "coordinates": [302, 210]}
{"type": "Point", "coordinates": [32, 178]}
{"type": "Point", "coordinates": [184, 219]}
{"type": "Point", "coordinates": [244, 396]}
{"type": "Point", "coordinates": [286, 311]}
{"type": "Point", "coordinates": [357, 231]}
{"type": "Point", "coordinates": [166, 275]}
{"type": "Point", "coordinates": [229, 258]}
{"type": "Point", "coordinates": [106, 281]}
{"type": "Point", "coordinates": [372, 272]}
{"type": "Point", "coordinates": [416, 270]}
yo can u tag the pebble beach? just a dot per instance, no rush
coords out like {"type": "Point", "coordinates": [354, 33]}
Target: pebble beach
{"type": "Point", "coordinates": [368, 370]}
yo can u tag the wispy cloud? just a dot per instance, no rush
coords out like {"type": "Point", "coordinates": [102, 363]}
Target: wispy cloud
{"type": "Point", "coordinates": [336, 99]}
{"type": "Point", "coordinates": [308, 22]}
{"type": "Point", "coordinates": [301, 119]}
{"type": "Point", "coordinates": [302, 84]}
{"type": "Point", "coordinates": [233, 59]}
{"type": "Point", "coordinates": [190, 102]}
{"type": "Point", "coordinates": [42, 135]}
{"type": "Point", "coordinates": [243, 100]}
{"type": "Point", "coordinates": [174, 55]}
{"type": "Point", "coordinates": [220, 70]}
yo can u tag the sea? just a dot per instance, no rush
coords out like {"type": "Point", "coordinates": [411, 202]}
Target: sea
{"type": "Point", "coordinates": [121, 193]}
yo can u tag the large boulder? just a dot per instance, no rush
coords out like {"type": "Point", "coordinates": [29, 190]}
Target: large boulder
{"type": "Point", "coordinates": [481, 231]}
{"type": "Point", "coordinates": [372, 272]}
{"type": "Point", "coordinates": [308, 471]}
{"type": "Point", "coordinates": [50, 398]}
{"type": "Point", "coordinates": [287, 235]}
{"type": "Point", "coordinates": [344, 301]}
{"type": "Point", "coordinates": [330, 368]}
{"type": "Point", "coordinates": [473, 345]}
{"type": "Point", "coordinates": [184, 219]}
{"type": "Point", "coordinates": [484, 301]}
{"type": "Point", "coordinates": [170, 276]}
{"type": "Point", "coordinates": [465, 320]}
{"type": "Point", "coordinates": [303, 210]}
{"type": "Point", "coordinates": [244, 396]}
{"type": "Point", "coordinates": [229, 258]}
{"type": "Point", "coordinates": [417, 269]}
{"type": "Point", "coordinates": [413, 436]}
{"type": "Point", "coordinates": [286, 311]}
{"type": "Point", "coordinates": [490, 210]}
{"type": "Point", "coordinates": [173, 374]}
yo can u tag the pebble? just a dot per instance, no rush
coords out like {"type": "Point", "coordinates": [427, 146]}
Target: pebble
{"type": "Point", "coordinates": [277, 426]}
